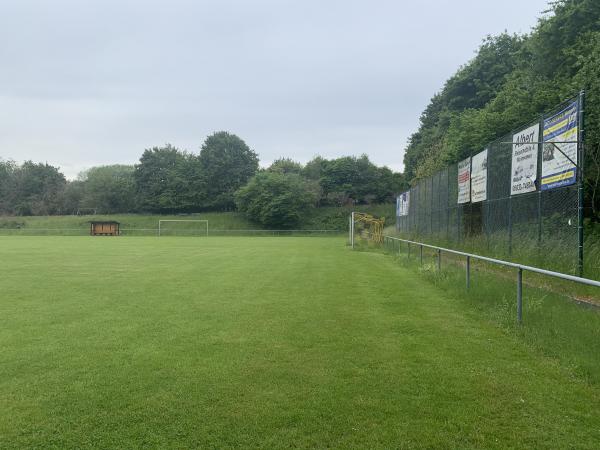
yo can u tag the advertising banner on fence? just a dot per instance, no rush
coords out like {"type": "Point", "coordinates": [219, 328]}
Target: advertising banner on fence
{"type": "Point", "coordinates": [402, 204]}
{"type": "Point", "coordinates": [523, 170]}
{"type": "Point", "coordinates": [464, 181]}
{"type": "Point", "coordinates": [479, 177]}
{"type": "Point", "coordinates": [557, 170]}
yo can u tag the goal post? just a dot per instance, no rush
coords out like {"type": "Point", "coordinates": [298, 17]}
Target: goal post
{"type": "Point", "coordinates": [189, 228]}
{"type": "Point", "coordinates": [365, 229]}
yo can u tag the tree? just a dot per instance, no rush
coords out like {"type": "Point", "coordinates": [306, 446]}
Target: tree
{"type": "Point", "coordinates": [471, 88]}
{"type": "Point", "coordinates": [227, 164]}
{"type": "Point", "coordinates": [276, 199]}
{"type": "Point", "coordinates": [109, 189]}
{"type": "Point", "coordinates": [72, 196]}
{"type": "Point", "coordinates": [7, 188]}
{"type": "Point", "coordinates": [356, 180]}
{"type": "Point", "coordinates": [38, 189]}
{"type": "Point", "coordinates": [511, 80]}
{"type": "Point", "coordinates": [285, 165]}
{"type": "Point", "coordinates": [314, 169]}
{"type": "Point", "coordinates": [168, 180]}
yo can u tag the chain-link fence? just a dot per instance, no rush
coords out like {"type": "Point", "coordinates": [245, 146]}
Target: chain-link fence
{"type": "Point", "coordinates": [541, 227]}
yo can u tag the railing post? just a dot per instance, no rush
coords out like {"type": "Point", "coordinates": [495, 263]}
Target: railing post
{"type": "Point", "coordinates": [468, 274]}
{"type": "Point", "coordinates": [421, 253]}
{"type": "Point", "coordinates": [408, 250]}
{"type": "Point", "coordinates": [520, 296]}
{"type": "Point", "coordinates": [439, 259]}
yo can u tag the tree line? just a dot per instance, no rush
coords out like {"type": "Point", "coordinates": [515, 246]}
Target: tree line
{"type": "Point", "coordinates": [508, 83]}
{"type": "Point", "coordinates": [223, 176]}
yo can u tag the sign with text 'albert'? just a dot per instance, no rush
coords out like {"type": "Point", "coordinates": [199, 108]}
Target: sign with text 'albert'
{"type": "Point", "coordinates": [464, 181]}
{"type": "Point", "coordinates": [523, 170]}
{"type": "Point", "coordinates": [560, 145]}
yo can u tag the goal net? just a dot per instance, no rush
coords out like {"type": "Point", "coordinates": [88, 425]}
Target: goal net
{"type": "Point", "coordinates": [176, 227]}
{"type": "Point", "coordinates": [365, 229]}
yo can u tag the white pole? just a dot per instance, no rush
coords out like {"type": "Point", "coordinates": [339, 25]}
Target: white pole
{"type": "Point", "coordinates": [352, 228]}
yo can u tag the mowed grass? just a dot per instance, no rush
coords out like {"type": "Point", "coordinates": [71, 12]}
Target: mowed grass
{"type": "Point", "coordinates": [262, 343]}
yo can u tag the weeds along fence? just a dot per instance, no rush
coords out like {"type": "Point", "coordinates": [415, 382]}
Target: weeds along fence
{"type": "Point", "coordinates": [34, 231]}
{"type": "Point", "coordinates": [520, 199]}
{"type": "Point", "coordinates": [394, 245]}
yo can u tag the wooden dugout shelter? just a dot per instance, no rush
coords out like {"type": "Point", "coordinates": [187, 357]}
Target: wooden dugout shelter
{"type": "Point", "coordinates": [104, 228]}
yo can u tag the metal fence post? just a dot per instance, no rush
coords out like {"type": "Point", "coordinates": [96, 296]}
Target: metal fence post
{"type": "Point", "coordinates": [540, 149]}
{"type": "Point", "coordinates": [439, 259]}
{"type": "Point", "coordinates": [421, 254]}
{"type": "Point", "coordinates": [408, 250]}
{"type": "Point", "coordinates": [520, 295]}
{"type": "Point", "coordinates": [468, 270]}
{"type": "Point", "coordinates": [510, 226]}
{"type": "Point", "coordinates": [540, 219]}
{"type": "Point", "coordinates": [580, 196]}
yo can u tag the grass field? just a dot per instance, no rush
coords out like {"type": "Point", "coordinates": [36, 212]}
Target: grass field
{"type": "Point", "coordinates": [264, 343]}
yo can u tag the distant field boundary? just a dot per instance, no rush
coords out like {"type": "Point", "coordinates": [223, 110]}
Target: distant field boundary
{"type": "Point", "coordinates": [33, 231]}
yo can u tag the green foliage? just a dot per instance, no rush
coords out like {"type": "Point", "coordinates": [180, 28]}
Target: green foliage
{"type": "Point", "coordinates": [72, 197]}
{"type": "Point", "coordinates": [285, 165]}
{"type": "Point", "coordinates": [166, 180]}
{"type": "Point", "coordinates": [30, 189]}
{"type": "Point", "coordinates": [314, 169]}
{"type": "Point", "coordinates": [7, 169]}
{"type": "Point", "coordinates": [109, 189]}
{"type": "Point", "coordinates": [276, 199]}
{"type": "Point", "coordinates": [471, 88]}
{"type": "Point", "coordinates": [227, 164]}
{"type": "Point", "coordinates": [351, 180]}
{"type": "Point", "coordinates": [342, 182]}
{"type": "Point", "coordinates": [511, 80]}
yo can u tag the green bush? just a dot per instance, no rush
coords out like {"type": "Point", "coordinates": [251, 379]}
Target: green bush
{"type": "Point", "coordinates": [275, 199]}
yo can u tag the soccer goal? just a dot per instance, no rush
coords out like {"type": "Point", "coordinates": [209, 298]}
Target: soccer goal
{"type": "Point", "coordinates": [365, 229]}
{"type": "Point", "coordinates": [182, 227]}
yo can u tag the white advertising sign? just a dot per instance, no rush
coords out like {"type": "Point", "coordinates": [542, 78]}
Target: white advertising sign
{"type": "Point", "coordinates": [402, 203]}
{"type": "Point", "coordinates": [523, 171]}
{"type": "Point", "coordinates": [479, 177]}
{"type": "Point", "coordinates": [464, 181]}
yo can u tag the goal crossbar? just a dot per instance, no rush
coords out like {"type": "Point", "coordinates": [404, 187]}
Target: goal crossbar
{"type": "Point", "coordinates": [160, 222]}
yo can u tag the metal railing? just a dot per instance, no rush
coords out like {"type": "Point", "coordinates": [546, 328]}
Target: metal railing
{"type": "Point", "coordinates": [520, 267]}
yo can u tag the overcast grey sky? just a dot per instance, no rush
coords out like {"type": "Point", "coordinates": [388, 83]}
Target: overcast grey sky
{"type": "Point", "coordinates": [85, 83]}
